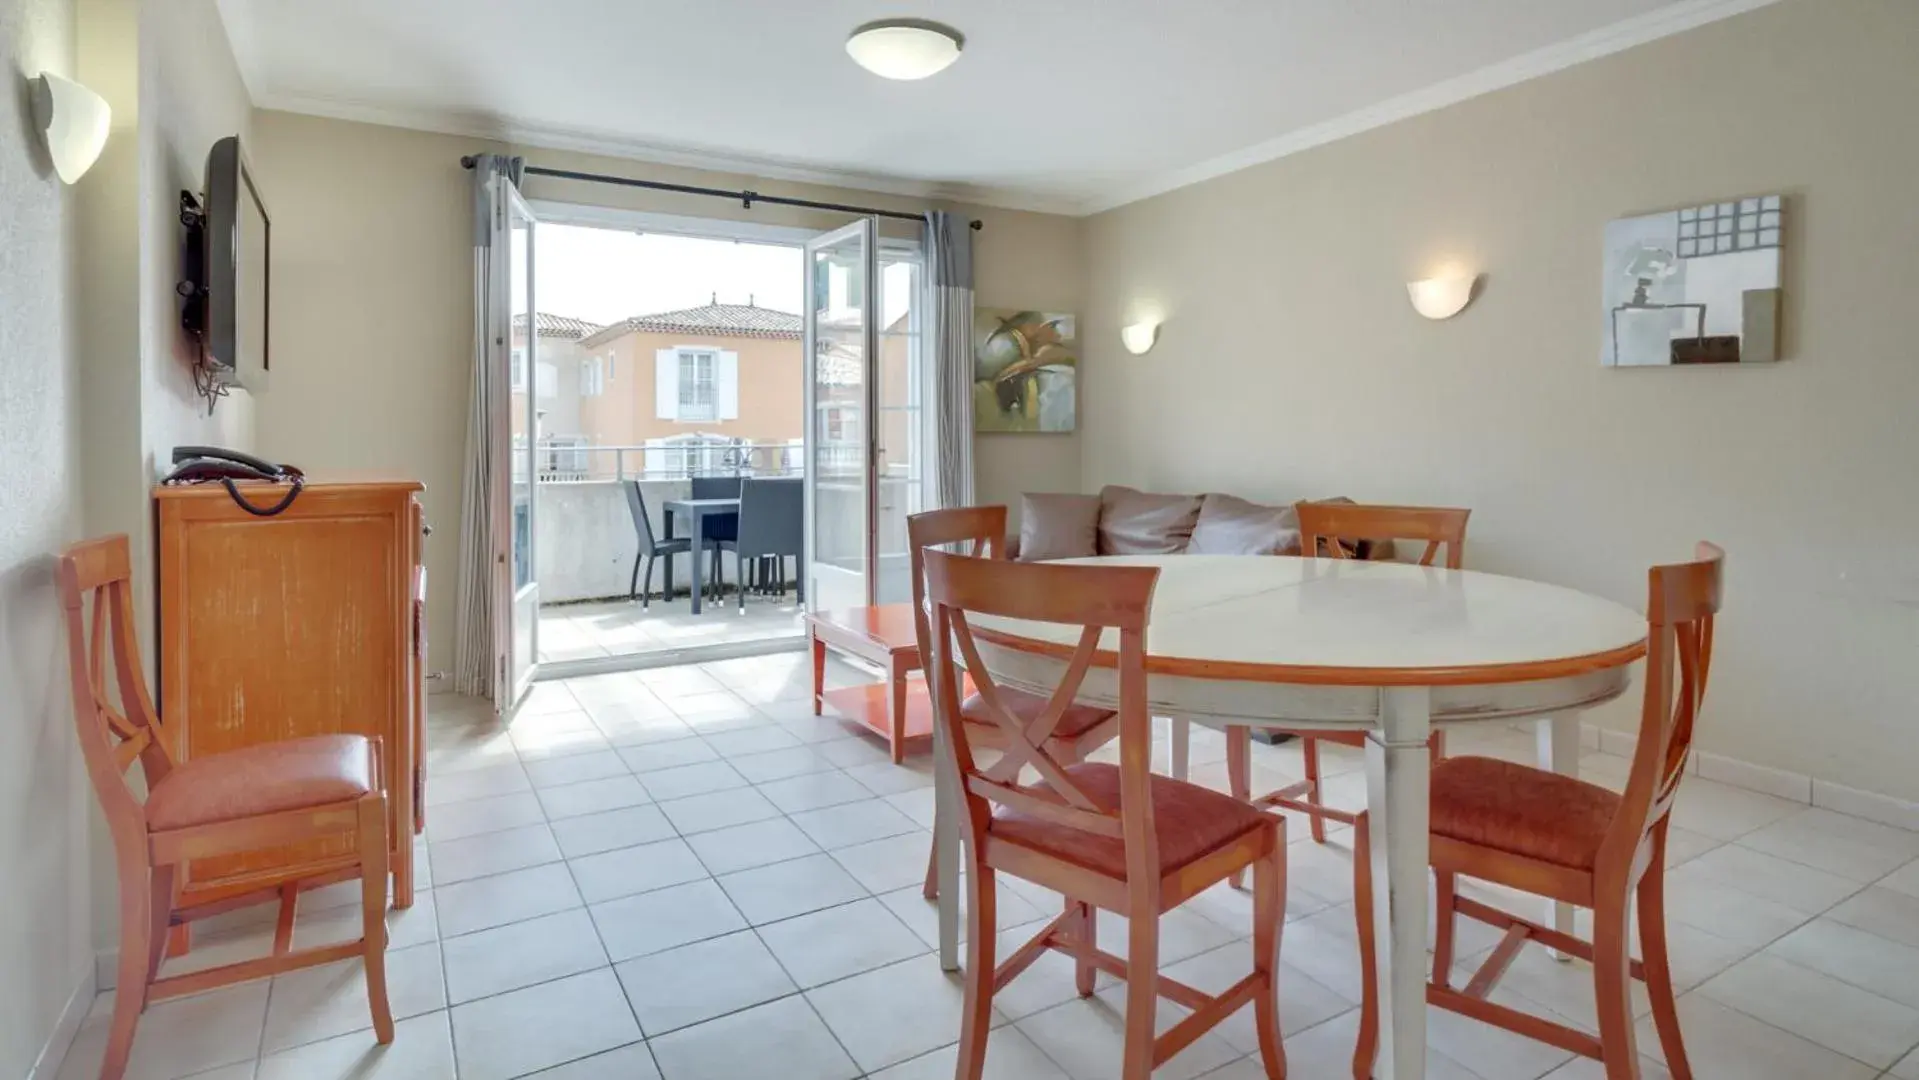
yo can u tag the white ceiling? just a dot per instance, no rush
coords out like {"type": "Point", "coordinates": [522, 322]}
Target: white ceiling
{"type": "Point", "coordinates": [1068, 105]}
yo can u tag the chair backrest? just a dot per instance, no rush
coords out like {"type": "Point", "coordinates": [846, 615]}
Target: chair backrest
{"type": "Point", "coordinates": [1682, 603]}
{"type": "Point", "coordinates": [717, 487]}
{"type": "Point", "coordinates": [1324, 525]}
{"type": "Point", "coordinates": [96, 579]}
{"type": "Point", "coordinates": [979, 531]}
{"type": "Point", "coordinates": [772, 516]}
{"type": "Point", "coordinates": [643, 525]}
{"type": "Point", "coordinates": [1095, 599]}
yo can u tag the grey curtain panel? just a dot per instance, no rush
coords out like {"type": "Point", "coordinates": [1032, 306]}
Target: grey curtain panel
{"type": "Point", "coordinates": [949, 261]}
{"type": "Point", "coordinates": [475, 656]}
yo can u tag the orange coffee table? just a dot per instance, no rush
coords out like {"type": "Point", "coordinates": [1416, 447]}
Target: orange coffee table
{"type": "Point", "coordinates": [899, 710]}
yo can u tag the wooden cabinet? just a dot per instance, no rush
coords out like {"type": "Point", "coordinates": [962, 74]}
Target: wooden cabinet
{"type": "Point", "coordinates": [306, 623]}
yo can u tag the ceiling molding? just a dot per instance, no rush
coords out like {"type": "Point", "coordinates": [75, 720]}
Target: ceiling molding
{"type": "Point", "coordinates": [1664, 22]}
{"type": "Point", "coordinates": [546, 137]}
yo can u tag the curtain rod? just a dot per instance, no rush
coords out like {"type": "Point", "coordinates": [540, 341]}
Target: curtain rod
{"type": "Point", "coordinates": [746, 198]}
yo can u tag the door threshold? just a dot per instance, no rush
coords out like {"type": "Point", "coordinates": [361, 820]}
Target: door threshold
{"type": "Point", "coordinates": [659, 658]}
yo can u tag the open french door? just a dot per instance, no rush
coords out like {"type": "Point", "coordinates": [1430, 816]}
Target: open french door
{"type": "Point", "coordinates": [841, 342]}
{"type": "Point", "coordinates": [515, 367]}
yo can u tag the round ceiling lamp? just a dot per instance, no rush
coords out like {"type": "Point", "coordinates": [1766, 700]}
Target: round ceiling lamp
{"type": "Point", "coordinates": [904, 48]}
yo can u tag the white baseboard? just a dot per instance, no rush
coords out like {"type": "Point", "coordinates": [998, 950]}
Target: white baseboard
{"type": "Point", "coordinates": [64, 1029]}
{"type": "Point", "coordinates": [1781, 783]}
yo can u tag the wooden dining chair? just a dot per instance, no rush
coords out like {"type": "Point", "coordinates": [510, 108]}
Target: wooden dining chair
{"type": "Point", "coordinates": [1336, 530]}
{"type": "Point", "coordinates": [246, 800]}
{"type": "Point", "coordinates": [1574, 842]}
{"type": "Point", "coordinates": [981, 532]}
{"type": "Point", "coordinates": [1105, 836]}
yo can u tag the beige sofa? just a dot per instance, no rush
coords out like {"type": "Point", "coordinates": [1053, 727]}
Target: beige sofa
{"type": "Point", "coordinates": [1125, 521]}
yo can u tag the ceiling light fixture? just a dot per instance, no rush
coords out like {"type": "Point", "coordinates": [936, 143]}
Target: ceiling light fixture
{"type": "Point", "coordinates": [904, 48]}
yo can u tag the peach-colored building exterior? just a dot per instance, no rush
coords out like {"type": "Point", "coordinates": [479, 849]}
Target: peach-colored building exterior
{"type": "Point", "coordinates": [687, 390]}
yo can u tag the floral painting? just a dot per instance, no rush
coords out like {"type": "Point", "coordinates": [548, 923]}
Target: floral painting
{"type": "Point", "coordinates": [1025, 371]}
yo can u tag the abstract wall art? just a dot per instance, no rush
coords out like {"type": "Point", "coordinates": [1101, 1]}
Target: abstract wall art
{"type": "Point", "coordinates": [1698, 285]}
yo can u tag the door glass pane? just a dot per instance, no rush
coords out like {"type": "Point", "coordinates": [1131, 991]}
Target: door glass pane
{"type": "Point", "coordinates": [837, 361]}
{"type": "Point", "coordinates": [524, 406]}
{"type": "Point", "coordinates": [902, 437]}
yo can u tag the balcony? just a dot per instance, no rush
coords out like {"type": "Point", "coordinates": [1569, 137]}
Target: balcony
{"type": "Point", "coordinates": [586, 544]}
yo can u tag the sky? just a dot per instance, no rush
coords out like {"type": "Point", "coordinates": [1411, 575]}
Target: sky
{"type": "Point", "coordinates": [605, 275]}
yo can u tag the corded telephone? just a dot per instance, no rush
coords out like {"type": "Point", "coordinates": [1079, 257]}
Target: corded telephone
{"type": "Point", "coordinates": [213, 464]}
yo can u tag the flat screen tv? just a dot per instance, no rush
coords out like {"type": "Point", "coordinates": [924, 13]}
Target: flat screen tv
{"type": "Point", "coordinates": [236, 337]}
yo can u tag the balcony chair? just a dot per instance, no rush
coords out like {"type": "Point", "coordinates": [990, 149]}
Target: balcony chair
{"type": "Point", "coordinates": [1574, 842]}
{"type": "Point", "coordinates": [652, 548]}
{"type": "Point", "coordinates": [1104, 836]}
{"type": "Point", "coordinates": [242, 801]}
{"type": "Point", "coordinates": [1334, 530]}
{"type": "Point", "coordinates": [771, 526]}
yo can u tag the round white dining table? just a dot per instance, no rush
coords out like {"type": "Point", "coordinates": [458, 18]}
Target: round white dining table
{"type": "Point", "coordinates": [1333, 645]}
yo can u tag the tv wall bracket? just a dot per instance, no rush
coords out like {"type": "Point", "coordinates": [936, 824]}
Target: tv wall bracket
{"type": "Point", "coordinates": [193, 289]}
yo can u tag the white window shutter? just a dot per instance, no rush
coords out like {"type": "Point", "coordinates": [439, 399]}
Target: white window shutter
{"type": "Point", "coordinates": [728, 378]}
{"type": "Point", "coordinates": [666, 384]}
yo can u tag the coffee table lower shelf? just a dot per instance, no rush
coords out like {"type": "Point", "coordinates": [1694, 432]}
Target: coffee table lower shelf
{"type": "Point", "coordinates": [870, 705]}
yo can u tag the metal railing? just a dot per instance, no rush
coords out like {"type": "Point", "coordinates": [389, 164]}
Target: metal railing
{"type": "Point", "coordinates": [563, 461]}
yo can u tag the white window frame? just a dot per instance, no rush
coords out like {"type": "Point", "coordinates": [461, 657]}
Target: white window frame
{"type": "Point", "coordinates": [518, 368]}
{"type": "Point", "coordinates": [691, 408]}
{"type": "Point", "coordinates": [592, 376]}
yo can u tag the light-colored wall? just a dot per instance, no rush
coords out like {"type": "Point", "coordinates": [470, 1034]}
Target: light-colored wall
{"type": "Point", "coordinates": [1291, 365]}
{"type": "Point", "coordinates": [46, 947]}
{"type": "Point", "coordinates": [373, 282]}
{"type": "Point", "coordinates": [372, 316]}
{"type": "Point", "coordinates": [191, 96]}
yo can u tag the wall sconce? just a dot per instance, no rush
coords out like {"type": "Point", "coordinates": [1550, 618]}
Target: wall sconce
{"type": "Point", "coordinates": [74, 122]}
{"type": "Point", "coordinates": [1139, 337]}
{"type": "Point", "coordinates": [1442, 297]}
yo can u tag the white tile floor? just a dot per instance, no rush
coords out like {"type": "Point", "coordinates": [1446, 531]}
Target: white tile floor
{"type": "Point", "coordinates": [683, 873]}
{"type": "Point", "coordinates": [601, 628]}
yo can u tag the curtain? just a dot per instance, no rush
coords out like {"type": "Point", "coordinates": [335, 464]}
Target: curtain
{"type": "Point", "coordinates": [949, 261]}
{"type": "Point", "coordinates": [475, 657]}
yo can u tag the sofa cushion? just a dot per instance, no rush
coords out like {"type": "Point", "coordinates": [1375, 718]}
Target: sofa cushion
{"type": "Point", "coordinates": [1141, 523]}
{"type": "Point", "coordinates": [1058, 526]}
{"type": "Point", "coordinates": [1229, 525]}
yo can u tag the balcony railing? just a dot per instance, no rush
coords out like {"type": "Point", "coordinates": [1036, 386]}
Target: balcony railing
{"type": "Point", "coordinates": [558, 461]}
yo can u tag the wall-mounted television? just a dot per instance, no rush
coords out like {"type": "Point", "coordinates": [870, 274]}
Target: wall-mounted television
{"type": "Point", "coordinates": [233, 287]}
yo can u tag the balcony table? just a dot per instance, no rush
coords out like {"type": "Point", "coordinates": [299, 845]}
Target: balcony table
{"type": "Point", "coordinates": [696, 511]}
{"type": "Point", "coordinates": [1342, 645]}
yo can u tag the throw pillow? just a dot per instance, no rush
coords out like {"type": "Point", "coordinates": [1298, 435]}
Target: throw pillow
{"type": "Point", "coordinates": [1232, 526]}
{"type": "Point", "coordinates": [1058, 526]}
{"type": "Point", "coordinates": [1141, 523]}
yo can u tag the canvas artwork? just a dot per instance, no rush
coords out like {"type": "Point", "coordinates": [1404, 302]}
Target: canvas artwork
{"type": "Point", "coordinates": [1694, 286]}
{"type": "Point", "coordinates": [1025, 371]}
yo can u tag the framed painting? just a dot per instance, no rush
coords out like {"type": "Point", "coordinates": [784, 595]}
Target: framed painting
{"type": "Point", "coordinates": [1025, 371]}
{"type": "Point", "coordinates": [1699, 285]}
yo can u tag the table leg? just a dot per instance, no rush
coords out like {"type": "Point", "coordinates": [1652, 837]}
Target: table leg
{"type": "Point", "coordinates": [1557, 738]}
{"type": "Point", "coordinates": [666, 529]}
{"type": "Point", "coordinates": [1181, 737]}
{"type": "Point", "coordinates": [1398, 785]}
{"type": "Point", "coordinates": [819, 674]}
{"type": "Point", "coordinates": [946, 851]}
{"type": "Point", "coordinates": [699, 557]}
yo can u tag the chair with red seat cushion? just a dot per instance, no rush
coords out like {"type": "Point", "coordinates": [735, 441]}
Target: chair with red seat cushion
{"type": "Point", "coordinates": [981, 531]}
{"type": "Point", "coordinates": [247, 800]}
{"type": "Point", "coordinates": [1574, 843]}
{"type": "Point", "coordinates": [1103, 836]}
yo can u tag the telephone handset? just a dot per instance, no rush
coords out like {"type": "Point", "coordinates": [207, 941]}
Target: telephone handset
{"type": "Point", "coordinates": [213, 464]}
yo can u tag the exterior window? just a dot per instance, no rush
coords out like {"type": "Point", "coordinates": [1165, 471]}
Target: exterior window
{"type": "Point", "coordinates": [592, 376]}
{"type": "Point", "coordinates": [699, 386]}
{"type": "Point", "coordinates": [519, 371]}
